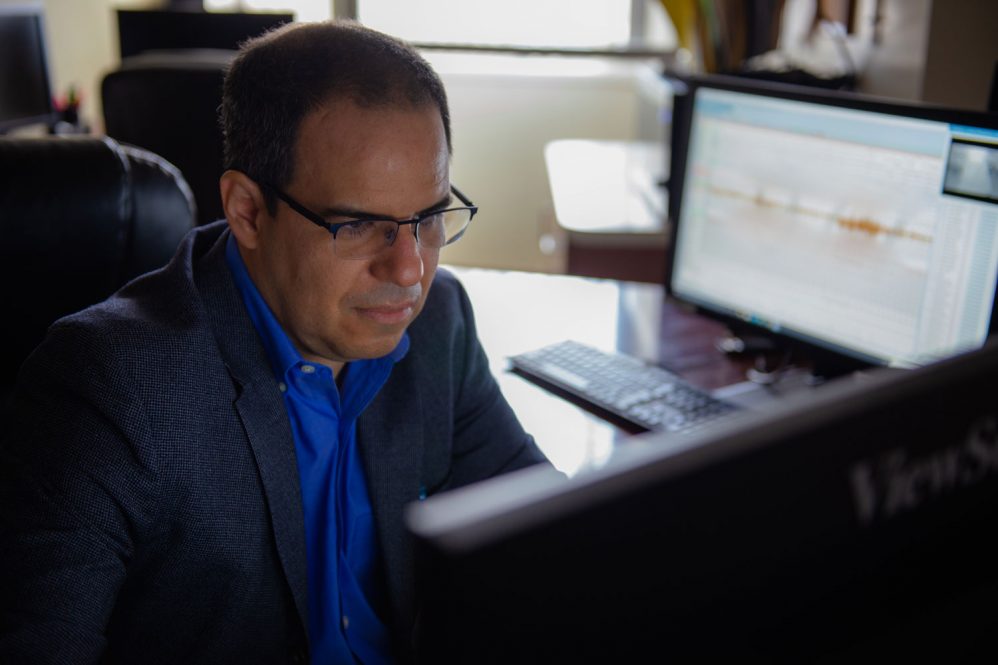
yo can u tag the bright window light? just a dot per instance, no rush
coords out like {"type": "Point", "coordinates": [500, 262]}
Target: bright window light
{"type": "Point", "coordinates": [304, 10]}
{"type": "Point", "coordinates": [553, 23]}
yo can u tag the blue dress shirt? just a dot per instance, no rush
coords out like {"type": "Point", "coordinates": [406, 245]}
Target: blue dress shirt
{"type": "Point", "coordinates": [345, 585]}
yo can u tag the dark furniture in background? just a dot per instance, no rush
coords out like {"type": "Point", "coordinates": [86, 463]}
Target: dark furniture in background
{"type": "Point", "coordinates": [80, 217]}
{"type": "Point", "coordinates": [165, 94]}
{"type": "Point", "coordinates": [167, 102]}
{"type": "Point", "coordinates": [141, 30]}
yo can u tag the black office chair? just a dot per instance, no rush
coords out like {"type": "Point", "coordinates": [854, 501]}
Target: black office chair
{"type": "Point", "coordinates": [79, 217]}
{"type": "Point", "coordinates": [167, 102]}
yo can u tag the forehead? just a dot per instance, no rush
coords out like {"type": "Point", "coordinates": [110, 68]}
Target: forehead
{"type": "Point", "coordinates": [358, 153]}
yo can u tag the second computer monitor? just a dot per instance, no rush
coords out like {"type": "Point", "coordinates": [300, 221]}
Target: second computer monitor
{"type": "Point", "coordinates": [25, 90]}
{"type": "Point", "coordinates": [865, 228]}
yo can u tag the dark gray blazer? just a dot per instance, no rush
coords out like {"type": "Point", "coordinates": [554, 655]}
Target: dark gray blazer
{"type": "Point", "coordinates": [149, 496]}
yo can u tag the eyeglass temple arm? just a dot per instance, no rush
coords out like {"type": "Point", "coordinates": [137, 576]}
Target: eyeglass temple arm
{"type": "Point", "coordinates": [461, 197]}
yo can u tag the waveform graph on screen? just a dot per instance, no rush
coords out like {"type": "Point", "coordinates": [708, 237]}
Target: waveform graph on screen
{"type": "Point", "coordinates": [773, 223]}
{"type": "Point", "coordinates": [798, 208]}
{"type": "Point", "coordinates": [872, 227]}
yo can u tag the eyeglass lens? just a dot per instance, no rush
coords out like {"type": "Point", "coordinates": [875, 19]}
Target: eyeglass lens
{"type": "Point", "coordinates": [367, 238]}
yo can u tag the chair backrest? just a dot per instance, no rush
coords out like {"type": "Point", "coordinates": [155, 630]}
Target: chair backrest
{"type": "Point", "coordinates": [79, 217]}
{"type": "Point", "coordinates": [167, 102]}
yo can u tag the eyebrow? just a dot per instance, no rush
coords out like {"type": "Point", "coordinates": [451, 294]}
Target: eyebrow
{"type": "Point", "coordinates": [352, 213]}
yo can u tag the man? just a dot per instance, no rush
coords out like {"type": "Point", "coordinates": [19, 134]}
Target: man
{"type": "Point", "coordinates": [211, 466]}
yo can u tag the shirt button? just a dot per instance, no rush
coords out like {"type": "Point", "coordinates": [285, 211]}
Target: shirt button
{"type": "Point", "coordinates": [308, 369]}
{"type": "Point", "coordinates": [283, 387]}
{"type": "Point", "coordinates": [346, 622]}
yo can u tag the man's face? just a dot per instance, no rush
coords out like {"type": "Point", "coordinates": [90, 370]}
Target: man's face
{"type": "Point", "coordinates": [386, 161]}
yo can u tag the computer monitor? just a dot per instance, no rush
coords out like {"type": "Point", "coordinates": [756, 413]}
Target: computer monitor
{"type": "Point", "coordinates": [867, 229]}
{"type": "Point", "coordinates": [854, 523]}
{"type": "Point", "coordinates": [25, 92]}
{"type": "Point", "coordinates": [140, 31]}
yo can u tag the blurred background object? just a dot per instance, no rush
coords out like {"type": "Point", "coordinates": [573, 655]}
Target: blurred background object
{"type": "Point", "coordinates": [807, 42]}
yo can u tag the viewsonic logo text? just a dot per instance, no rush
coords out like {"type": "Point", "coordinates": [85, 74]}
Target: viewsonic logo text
{"type": "Point", "coordinates": [893, 483]}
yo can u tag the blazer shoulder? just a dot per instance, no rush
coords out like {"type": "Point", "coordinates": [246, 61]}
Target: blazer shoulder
{"type": "Point", "coordinates": [149, 310]}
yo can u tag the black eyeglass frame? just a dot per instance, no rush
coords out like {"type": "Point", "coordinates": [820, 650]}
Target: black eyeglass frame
{"type": "Point", "coordinates": [318, 220]}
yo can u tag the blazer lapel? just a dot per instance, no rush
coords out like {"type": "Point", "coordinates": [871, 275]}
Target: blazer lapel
{"type": "Point", "coordinates": [390, 436]}
{"type": "Point", "coordinates": [270, 437]}
{"type": "Point", "coordinates": [261, 409]}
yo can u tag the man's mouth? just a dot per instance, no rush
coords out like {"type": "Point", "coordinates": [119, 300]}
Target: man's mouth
{"type": "Point", "coordinates": [389, 314]}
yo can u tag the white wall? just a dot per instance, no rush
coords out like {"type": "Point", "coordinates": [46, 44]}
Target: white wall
{"type": "Point", "coordinates": [504, 110]}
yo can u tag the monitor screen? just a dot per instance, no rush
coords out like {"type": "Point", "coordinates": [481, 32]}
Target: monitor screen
{"type": "Point", "coordinates": [140, 31]}
{"type": "Point", "coordinates": [866, 228]}
{"type": "Point", "coordinates": [25, 93]}
{"type": "Point", "coordinates": [851, 523]}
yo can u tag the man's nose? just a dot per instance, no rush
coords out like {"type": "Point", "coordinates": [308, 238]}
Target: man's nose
{"type": "Point", "coordinates": [402, 262]}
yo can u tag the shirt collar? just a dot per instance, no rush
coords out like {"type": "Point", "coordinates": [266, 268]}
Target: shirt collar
{"type": "Point", "coordinates": [280, 351]}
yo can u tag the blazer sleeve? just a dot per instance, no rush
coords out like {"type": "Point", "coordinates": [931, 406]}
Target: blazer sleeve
{"type": "Point", "coordinates": [75, 494]}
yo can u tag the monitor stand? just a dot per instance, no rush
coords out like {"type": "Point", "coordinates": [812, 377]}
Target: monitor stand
{"type": "Point", "coordinates": [744, 343]}
{"type": "Point", "coordinates": [776, 369]}
{"type": "Point", "coordinates": [770, 361]}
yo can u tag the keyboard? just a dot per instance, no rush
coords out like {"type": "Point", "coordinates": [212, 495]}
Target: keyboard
{"type": "Point", "coordinates": [643, 395]}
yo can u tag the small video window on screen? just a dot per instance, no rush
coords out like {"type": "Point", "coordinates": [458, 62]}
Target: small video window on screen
{"type": "Point", "coordinates": [972, 171]}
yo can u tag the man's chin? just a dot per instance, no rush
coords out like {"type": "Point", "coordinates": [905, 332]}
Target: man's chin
{"type": "Point", "coordinates": [376, 346]}
{"type": "Point", "coordinates": [366, 337]}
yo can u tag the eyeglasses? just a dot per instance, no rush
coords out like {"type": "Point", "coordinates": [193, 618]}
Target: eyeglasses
{"type": "Point", "coordinates": [368, 235]}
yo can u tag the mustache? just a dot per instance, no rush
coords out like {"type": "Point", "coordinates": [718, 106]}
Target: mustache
{"type": "Point", "coordinates": [388, 294]}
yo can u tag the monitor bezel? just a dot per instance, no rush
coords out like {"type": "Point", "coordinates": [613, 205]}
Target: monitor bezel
{"type": "Point", "coordinates": [827, 358]}
{"type": "Point", "coordinates": [36, 11]}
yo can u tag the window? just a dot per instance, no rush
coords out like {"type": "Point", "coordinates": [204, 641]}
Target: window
{"type": "Point", "coordinates": [304, 10]}
{"type": "Point", "coordinates": [554, 23]}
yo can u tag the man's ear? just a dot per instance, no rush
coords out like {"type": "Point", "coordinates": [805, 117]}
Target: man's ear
{"type": "Point", "coordinates": [244, 207]}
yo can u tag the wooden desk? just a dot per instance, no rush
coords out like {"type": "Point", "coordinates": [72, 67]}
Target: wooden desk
{"type": "Point", "coordinates": [608, 199]}
{"type": "Point", "coordinates": [519, 312]}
